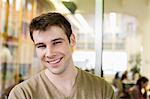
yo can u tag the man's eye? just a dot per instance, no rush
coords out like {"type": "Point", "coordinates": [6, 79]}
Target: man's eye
{"type": "Point", "coordinates": [41, 46]}
{"type": "Point", "coordinates": [55, 43]}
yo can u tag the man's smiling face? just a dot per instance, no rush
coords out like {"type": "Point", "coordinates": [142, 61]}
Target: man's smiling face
{"type": "Point", "coordinates": [53, 48]}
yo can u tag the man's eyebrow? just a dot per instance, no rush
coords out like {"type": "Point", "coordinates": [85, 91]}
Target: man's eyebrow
{"type": "Point", "coordinates": [38, 44]}
{"type": "Point", "coordinates": [57, 39]}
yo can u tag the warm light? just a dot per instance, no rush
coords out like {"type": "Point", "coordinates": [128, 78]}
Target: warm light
{"type": "Point", "coordinates": [141, 49]}
{"type": "Point", "coordinates": [11, 2]}
{"type": "Point", "coordinates": [4, 1]}
{"type": "Point", "coordinates": [18, 5]}
{"type": "Point", "coordinates": [86, 28]}
{"type": "Point", "coordinates": [74, 21]}
{"type": "Point", "coordinates": [29, 6]}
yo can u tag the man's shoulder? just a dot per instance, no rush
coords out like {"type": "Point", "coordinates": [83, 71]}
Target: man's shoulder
{"type": "Point", "coordinates": [92, 78]}
{"type": "Point", "coordinates": [28, 87]}
{"type": "Point", "coordinates": [31, 82]}
{"type": "Point", "coordinates": [96, 84]}
{"type": "Point", "coordinates": [94, 81]}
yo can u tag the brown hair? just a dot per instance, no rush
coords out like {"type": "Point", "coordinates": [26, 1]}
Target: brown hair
{"type": "Point", "coordinates": [43, 21]}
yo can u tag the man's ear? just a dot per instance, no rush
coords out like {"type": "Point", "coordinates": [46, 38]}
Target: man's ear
{"type": "Point", "coordinates": [72, 40]}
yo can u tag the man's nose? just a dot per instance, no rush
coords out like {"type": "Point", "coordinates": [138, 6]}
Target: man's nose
{"type": "Point", "coordinates": [49, 52]}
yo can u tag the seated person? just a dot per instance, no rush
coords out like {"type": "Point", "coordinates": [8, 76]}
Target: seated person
{"type": "Point", "coordinates": [136, 91]}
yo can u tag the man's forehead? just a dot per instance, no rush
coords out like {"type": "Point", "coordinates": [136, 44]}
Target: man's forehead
{"type": "Point", "coordinates": [39, 36]}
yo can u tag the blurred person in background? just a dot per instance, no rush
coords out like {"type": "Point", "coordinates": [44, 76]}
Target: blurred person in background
{"type": "Point", "coordinates": [139, 91]}
{"type": "Point", "coordinates": [5, 59]}
{"type": "Point", "coordinates": [124, 77]}
{"type": "Point", "coordinates": [54, 42]}
{"type": "Point", "coordinates": [125, 85]}
{"type": "Point", "coordinates": [117, 85]}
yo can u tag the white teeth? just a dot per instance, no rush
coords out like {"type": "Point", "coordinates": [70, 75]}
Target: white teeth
{"type": "Point", "coordinates": [54, 61]}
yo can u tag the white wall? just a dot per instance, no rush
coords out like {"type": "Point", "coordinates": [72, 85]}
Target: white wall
{"type": "Point", "coordinates": [145, 26]}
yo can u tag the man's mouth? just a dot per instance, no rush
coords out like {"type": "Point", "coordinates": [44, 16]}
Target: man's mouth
{"type": "Point", "coordinates": [55, 61]}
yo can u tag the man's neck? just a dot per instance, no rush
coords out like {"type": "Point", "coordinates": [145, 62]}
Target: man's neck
{"type": "Point", "coordinates": [66, 75]}
{"type": "Point", "coordinates": [65, 81]}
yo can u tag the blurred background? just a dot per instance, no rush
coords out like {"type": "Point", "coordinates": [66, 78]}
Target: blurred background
{"type": "Point", "coordinates": [112, 37]}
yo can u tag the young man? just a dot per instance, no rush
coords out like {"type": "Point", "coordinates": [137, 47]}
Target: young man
{"type": "Point", "coordinates": [54, 41]}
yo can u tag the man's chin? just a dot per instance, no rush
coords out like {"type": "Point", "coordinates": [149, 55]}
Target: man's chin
{"type": "Point", "coordinates": [56, 71]}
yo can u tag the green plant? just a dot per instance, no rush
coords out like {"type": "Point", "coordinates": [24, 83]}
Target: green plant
{"type": "Point", "coordinates": [135, 62]}
{"type": "Point", "coordinates": [71, 6]}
